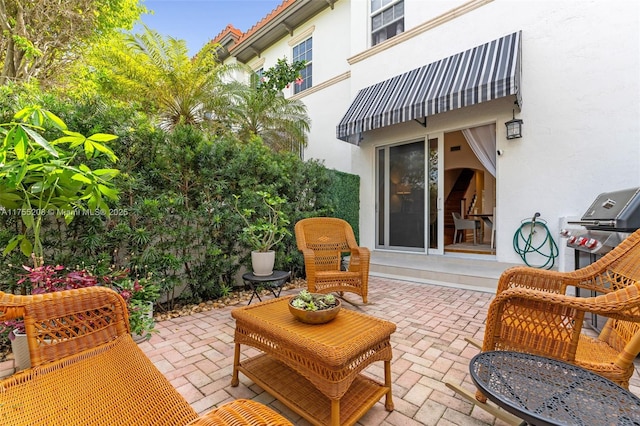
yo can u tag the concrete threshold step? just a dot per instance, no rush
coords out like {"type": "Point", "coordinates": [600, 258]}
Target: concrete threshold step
{"type": "Point", "coordinates": [470, 272]}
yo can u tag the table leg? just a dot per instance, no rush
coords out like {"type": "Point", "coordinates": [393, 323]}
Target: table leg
{"type": "Point", "coordinates": [279, 286]}
{"type": "Point", "coordinates": [388, 400]}
{"type": "Point", "coordinates": [272, 290]}
{"type": "Point", "coordinates": [236, 363]}
{"type": "Point", "coordinates": [254, 290]}
{"type": "Point", "coordinates": [335, 412]}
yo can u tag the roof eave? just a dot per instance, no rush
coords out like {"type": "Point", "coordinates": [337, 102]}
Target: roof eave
{"type": "Point", "coordinates": [279, 26]}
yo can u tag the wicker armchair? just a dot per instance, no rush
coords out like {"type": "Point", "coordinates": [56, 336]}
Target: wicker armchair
{"type": "Point", "coordinates": [322, 241]}
{"type": "Point", "coordinates": [531, 313]}
{"type": "Point", "coordinates": [86, 369]}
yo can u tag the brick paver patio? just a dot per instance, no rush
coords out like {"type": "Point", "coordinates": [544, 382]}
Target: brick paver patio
{"type": "Point", "coordinates": [196, 354]}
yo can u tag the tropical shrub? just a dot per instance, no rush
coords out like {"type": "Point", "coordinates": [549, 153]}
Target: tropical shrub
{"type": "Point", "coordinates": [174, 218]}
{"type": "Point", "coordinates": [41, 177]}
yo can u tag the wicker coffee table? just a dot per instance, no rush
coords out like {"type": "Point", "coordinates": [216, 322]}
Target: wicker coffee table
{"type": "Point", "coordinates": [315, 370]}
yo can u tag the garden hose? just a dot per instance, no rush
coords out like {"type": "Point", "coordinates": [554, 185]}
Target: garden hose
{"type": "Point", "coordinates": [525, 235]}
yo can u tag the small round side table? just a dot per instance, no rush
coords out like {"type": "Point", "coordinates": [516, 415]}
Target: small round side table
{"type": "Point", "coordinates": [272, 282]}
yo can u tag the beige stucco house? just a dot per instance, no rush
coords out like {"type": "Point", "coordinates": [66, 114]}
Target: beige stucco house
{"type": "Point", "coordinates": [413, 96]}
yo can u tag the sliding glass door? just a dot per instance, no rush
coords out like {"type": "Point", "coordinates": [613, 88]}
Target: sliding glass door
{"type": "Point", "coordinates": [408, 216]}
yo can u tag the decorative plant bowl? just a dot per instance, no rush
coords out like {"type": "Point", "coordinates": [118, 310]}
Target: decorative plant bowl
{"type": "Point", "coordinates": [319, 316]}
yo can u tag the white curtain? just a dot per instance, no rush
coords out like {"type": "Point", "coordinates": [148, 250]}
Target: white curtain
{"type": "Point", "coordinates": [482, 141]}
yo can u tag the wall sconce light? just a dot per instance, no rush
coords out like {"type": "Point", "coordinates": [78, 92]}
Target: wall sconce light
{"type": "Point", "coordinates": [514, 127]}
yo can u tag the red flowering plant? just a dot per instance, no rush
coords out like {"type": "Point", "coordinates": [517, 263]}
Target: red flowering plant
{"type": "Point", "coordinates": [49, 279]}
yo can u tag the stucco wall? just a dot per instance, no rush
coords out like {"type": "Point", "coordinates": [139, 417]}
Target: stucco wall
{"type": "Point", "coordinates": [580, 90]}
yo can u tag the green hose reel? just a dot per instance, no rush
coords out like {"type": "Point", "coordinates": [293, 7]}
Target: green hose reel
{"type": "Point", "coordinates": [533, 239]}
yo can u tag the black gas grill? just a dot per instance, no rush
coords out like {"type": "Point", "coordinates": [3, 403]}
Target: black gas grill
{"type": "Point", "coordinates": [611, 218]}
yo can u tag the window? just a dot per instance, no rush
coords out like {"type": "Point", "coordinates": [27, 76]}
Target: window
{"type": "Point", "coordinates": [303, 52]}
{"type": "Point", "coordinates": [387, 19]}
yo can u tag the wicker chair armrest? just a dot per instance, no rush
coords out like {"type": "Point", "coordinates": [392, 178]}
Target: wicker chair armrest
{"type": "Point", "coordinates": [359, 259]}
{"type": "Point", "coordinates": [241, 412]}
{"type": "Point", "coordinates": [621, 304]}
{"type": "Point", "coordinates": [526, 320]}
{"type": "Point", "coordinates": [538, 279]}
{"type": "Point", "coordinates": [307, 252]}
{"type": "Point", "coordinates": [550, 324]}
{"type": "Point", "coordinates": [309, 258]}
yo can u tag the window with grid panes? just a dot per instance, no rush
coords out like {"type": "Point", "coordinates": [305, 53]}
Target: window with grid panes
{"type": "Point", "coordinates": [387, 19]}
{"type": "Point", "coordinates": [304, 52]}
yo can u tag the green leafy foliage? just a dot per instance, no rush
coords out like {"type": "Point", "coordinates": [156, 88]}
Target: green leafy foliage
{"type": "Point", "coordinates": [41, 178]}
{"type": "Point", "coordinates": [343, 190]}
{"type": "Point", "coordinates": [266, 228]}
{"type": "Point", "coordinates": [40, 40]}
{"type": "Point", "coordinates": [281, 75]}
{"type": "Point", "coordinates": [174, 217]}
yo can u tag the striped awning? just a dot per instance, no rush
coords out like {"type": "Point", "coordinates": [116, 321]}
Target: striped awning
{"type": "Point", "coordinates": [486, 72]}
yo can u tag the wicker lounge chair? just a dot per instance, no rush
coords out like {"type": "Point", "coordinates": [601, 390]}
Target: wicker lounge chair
{"type": "Point", "coordinates": [323, 241]}
{"type": "Point", "coordinates": [92, 372]}
{"type": "Point", "coordinates": [531, 313]}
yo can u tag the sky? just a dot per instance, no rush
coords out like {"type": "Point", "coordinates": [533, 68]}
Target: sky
{"type": "Point", "coordinates": [199, 21]}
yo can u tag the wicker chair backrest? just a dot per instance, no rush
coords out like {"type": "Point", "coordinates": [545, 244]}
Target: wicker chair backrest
{"type": "Point", "coordinates": [328, 237]}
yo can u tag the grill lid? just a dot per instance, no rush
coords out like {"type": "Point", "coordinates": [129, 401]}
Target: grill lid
{"type": "Point", "coordinates": [619, 210]}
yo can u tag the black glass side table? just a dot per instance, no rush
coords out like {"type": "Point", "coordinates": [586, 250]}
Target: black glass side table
{"type": "Point", "coordinates": [544, 391]}
{"type": "Point", "coordinates": [273, 283]}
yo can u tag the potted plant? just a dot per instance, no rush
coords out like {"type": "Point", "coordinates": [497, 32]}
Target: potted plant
{"type": "Point", "coordinates": [263, 230]}
{"type": "Point", "coordinates": [314, 308]}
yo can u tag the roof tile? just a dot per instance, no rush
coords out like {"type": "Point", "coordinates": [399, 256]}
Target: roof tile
{"type": "Point", "coordinates": [264, 21]}
{"type": "Point", "coordinates": [229, 29]}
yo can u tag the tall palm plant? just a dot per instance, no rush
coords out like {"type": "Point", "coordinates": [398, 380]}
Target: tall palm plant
{"type": "Point", "coordinates": [184, 88]}
{"type": "Point", "coordinates": [282, 123]}
{"type": "Point", "coordinates": [159, 73]}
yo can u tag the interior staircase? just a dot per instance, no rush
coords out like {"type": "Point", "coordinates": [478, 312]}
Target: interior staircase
{"type": "Point", "coordinates": [454, 200]}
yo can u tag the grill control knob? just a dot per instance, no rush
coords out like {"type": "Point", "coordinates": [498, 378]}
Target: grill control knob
{"type": "Point", "coordinates": [592, 243]}
{"type": "Point", "coordinates": [565, 233]}
{"type": "Point", "coordinates": [581, 241]}
{"type": "Point", "coordinates": [571, 240]}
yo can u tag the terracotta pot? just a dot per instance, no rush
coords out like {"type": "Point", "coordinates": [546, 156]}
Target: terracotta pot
{"type": "Point", "coordinates": [315, 317]}
{"type": "Point", "coordinates": [262, 262]}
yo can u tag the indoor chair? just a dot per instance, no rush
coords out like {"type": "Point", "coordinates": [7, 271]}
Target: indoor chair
{"type": "Point", "coordinates": [532, 313]}
{"type": "Point", "coordinates": [87, 370]}
{"type": "Point", "coordinates": [323, 241]}
{"type": "Point", "coordinates": [461, 225]}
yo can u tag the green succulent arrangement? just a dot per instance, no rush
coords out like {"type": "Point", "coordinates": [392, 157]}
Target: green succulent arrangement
{"type": "Point", "coordinates": [314, 302]}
